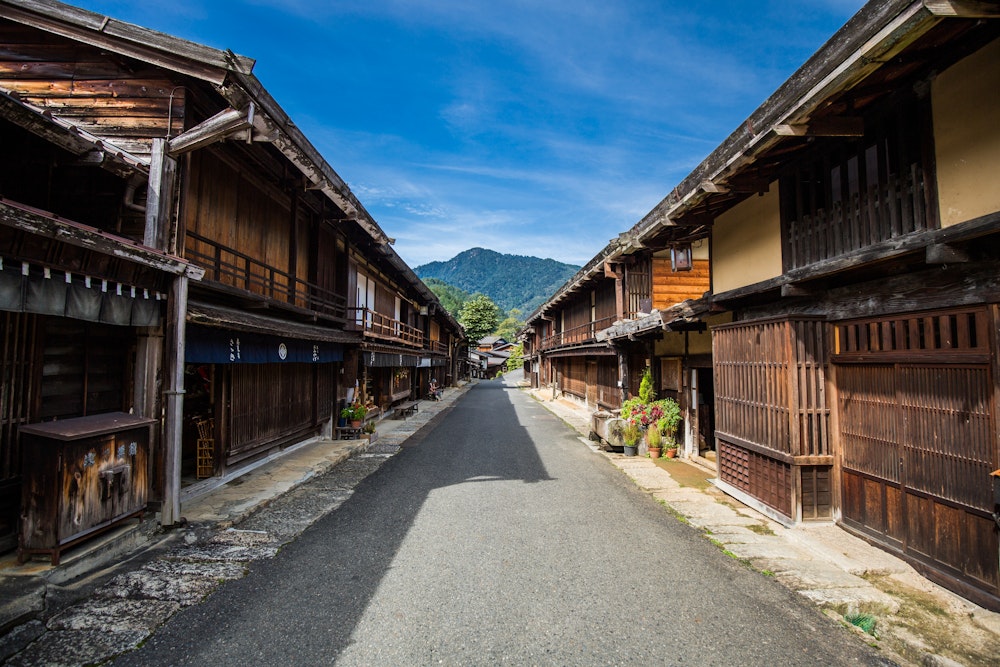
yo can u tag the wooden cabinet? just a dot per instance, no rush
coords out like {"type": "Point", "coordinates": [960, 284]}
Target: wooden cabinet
{"type": "Point", "coordinates": [81, 476]}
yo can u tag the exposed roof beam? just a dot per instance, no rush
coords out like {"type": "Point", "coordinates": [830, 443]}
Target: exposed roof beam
{"type": "Point", "coordinates": [713, 187]}
{"type": "Point", "coordinates": [824, 127]}
{"type": "Point", "coordinates": [967, 9]}
{"type": "Point", "coordinates": [208, 132]}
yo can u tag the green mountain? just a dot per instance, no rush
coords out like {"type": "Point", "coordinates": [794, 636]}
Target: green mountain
{"type": "Point", "coordinates": [512, 281]}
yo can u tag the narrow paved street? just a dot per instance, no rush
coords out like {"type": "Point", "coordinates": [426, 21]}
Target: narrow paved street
{"type": "Point", "coordinates": [496, 537]}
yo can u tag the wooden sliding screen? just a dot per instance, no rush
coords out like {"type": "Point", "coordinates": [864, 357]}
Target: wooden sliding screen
{"type": "Point", "coordinates": [772, 413]}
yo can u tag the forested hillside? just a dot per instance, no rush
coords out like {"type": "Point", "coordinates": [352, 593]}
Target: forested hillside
{"type": "Point", "coordinates": [511, 281]}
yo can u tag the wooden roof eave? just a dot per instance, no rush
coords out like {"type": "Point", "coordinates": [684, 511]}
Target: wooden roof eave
{"type": "Point", "coordinates": [593, 268]}
{"type": "Point", "coordinates": [71, 138]}
{"type": "Point", "coordinates": [44, 224]}
{"type": "Point", "coordinates": [216, 316]}
{"type": "Point", "coordinates": [273, 124]}
{"type": "Point", "coordinates": [877, 33]}
{"type": "Point", "coordinates": [157, 48]}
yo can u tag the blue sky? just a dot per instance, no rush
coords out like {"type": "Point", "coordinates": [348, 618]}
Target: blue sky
{"type": "Point", "coordinates": [532, 127]}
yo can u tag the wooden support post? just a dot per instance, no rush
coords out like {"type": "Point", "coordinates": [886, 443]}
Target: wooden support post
{"type": "Point", "coordinates": [173, 427]}
{"type": "Point", "coordinates": [159, 198]}
{"type": "Point", "coordinates": [622, 372]}
{"type": "Point", "coordinates": [146, 395]}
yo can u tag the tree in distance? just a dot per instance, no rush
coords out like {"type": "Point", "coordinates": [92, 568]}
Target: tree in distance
{"type": "Point", "coordinates": [479, 317]}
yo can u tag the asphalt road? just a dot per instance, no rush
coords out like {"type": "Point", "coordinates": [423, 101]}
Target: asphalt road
{"type": "Point", "coordinates": [496, 537]}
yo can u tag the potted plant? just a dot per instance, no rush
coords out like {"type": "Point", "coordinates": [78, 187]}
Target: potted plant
{"type": "Point", "coordinates": [654, 439]}
{"type": "Point", "coordinates": [667, 424]}
{"type": "Point", "coordinates": [631, 435]}
{"type": "Point", "coordinates": [356, 415]}
{"type": "Point", "coordinates": [345, 416]}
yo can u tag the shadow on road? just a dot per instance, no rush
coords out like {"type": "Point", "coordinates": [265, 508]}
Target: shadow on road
{"type": "Point", "coordinates": [306, 602]}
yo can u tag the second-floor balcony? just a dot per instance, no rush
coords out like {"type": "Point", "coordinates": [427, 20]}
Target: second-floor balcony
{"type": "Point", "coordinates": [376, 325]}
{"type": "Point", "coordinates": [583, 333]}
{"type": "Point", "coordinates": [238, 272]}
{"type": "Point", "coordinates": [437, 346]}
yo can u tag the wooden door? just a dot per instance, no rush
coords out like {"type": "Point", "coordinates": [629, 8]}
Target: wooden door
{"type": "Point", "coordinates": [918, 445]}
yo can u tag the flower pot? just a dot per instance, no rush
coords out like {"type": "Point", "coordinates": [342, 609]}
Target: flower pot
{"type": "Point", "coordinates": [672, 453]}
{"type": "Point", "coordinates": [355, 423]}
{"type": "Point", "coordinates": [341, 422]}
{"type": "Point", "coordinates": [631, 450]}
{"type": "Point", "coordinates": [654, 452]}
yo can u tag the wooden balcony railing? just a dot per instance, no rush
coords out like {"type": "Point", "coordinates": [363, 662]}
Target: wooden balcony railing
{"type": "Point", "coordinates": [583, 333]}
{"type": "Point", "coordinates": [382, 326]}
{"type": "Point", "coordinates": [235, 269]}
{"type": "Point", "coordinates": [437, 346]}
{"type": "Point", "coordinates": [880, 213]}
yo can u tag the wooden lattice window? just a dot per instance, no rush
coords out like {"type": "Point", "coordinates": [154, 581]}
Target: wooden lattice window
{"type": "Point", "coordinates": [849, 195]}
{"type": "Point", "coordinates": [962, 332]}
{"type": "Point", "coordinates": [760, 476]}
{"type": "Point", "coordinates": [638, 287]}
{"type": "Point", "coordinates": [916, 402]}
{"type": "Point", "coordinates": [770, 385]}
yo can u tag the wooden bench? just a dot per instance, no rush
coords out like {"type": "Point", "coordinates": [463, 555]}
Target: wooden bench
{"type": "Point", "coordinates": [406, 409]}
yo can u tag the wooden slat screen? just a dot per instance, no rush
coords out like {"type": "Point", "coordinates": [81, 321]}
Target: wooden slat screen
{"type": "Point", "coordinates": [770, 385]}
{"type": "Point", "coordinates": [847, 196]}
{"type": "Point", "coordinates": [17, 373]}
{"type": "Point", "coordinates": [269, 402]}
{"type": "Point", "coordinates": [638, 287]}
{"type": "Point", "coordinates": [85, 368]}
{"type": "Point", "coordinates": [608, 392]}
{"type": "Point", "coordinates": [881, 213]}
{"type": "Point", "coordinates": [760, 476]}
{"type": "Point", "coordinates": [574, 376]}
{"type": "Point", "coordinates": [947, 439]}
{"type": "Point", "coordinates": [868, 416]}
{"type": "Point", "coordinates": [916, 336]}
{"type": "Point", "coordinates": [919, 439]}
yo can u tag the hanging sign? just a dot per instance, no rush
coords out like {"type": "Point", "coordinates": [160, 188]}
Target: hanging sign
{"type": "Point", "coordinates": [206, 345]}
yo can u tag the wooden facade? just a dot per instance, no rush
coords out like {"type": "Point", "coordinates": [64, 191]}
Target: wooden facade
{"type": "Point", "coordinates": [156, 199]}
{"type": "Point", "coordinates": [772, 417]}
{"type": "Point", "coordinates": [858, 380]}
{"type": "Point", "coordinates": [593, 339]}
{"type": "Point", "coordinates": [853, 223]}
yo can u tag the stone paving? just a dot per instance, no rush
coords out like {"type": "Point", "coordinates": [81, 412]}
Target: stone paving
{"type": "Point", "coordinates": [228, 529]}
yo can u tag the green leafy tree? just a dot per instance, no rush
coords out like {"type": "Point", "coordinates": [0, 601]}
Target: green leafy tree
{"type": "Point", "coordinates": [509, 327]}
{"type": "Point", "coordinates": [516, 359]}
{"type": "Point", "coordinates": [480, 317]}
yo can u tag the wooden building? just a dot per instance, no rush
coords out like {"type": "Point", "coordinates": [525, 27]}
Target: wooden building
{"type": "Point", "coordinates": [854, 234]}
{"type": "Point", "coordinates": [627, 310]}
{"type": "Point", "coordinates": [853, 227]}
{"type": "Point", "coordinates": [174, 247]}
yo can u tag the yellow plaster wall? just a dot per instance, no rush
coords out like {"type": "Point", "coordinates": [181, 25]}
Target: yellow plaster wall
{"type": "Point", "coordinates": [672, 344]}
{"type": "Point", "coordinates": [966, 103]}
{"type": "Point", "coordinates": [746, 243]}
